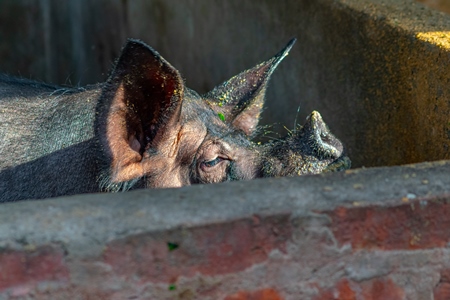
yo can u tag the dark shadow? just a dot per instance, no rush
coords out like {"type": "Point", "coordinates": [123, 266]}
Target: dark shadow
{"type": "Point", "coordinates": [48, 176]}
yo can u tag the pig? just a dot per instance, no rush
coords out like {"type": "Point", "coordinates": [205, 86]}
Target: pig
{"type": "Point", "coordinates": [143, 128]}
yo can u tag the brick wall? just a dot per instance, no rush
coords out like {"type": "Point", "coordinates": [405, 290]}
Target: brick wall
{"type": "Point", "coordinates": [379, 233]}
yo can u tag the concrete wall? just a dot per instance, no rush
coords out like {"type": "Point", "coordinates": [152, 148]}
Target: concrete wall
{"type": "Point", "coordinates": [442, 5]}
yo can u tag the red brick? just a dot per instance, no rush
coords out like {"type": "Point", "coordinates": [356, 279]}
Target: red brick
{"type": "Point", "coordinates": [19, 268]}
{"type": "Point", "coordinates": [377, 289]}
{"type": "Point", "coordinates": [342, 291]}
{"type": "Point", "coordinates": [418, 225]}
{"type": "Point", "coordinates": [380, 289]}
{"type": "Point", "coordinates": [442, 290]}
{"type": "Point", "coordinates": [265, 294]}
{"type": "Point", "coordinates": [210, 250]}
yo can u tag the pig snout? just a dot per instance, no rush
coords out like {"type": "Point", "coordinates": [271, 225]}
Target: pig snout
{"type": "Point", "coordinates": [319, 138]}
{"type": "Point", "coordinates": [311, 149]}
{"type": "Point", "coordinates": [323, 144]}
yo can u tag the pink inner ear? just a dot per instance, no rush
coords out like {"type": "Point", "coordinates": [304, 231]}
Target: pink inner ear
{"type": "Point", "coordinates": [246, 124]}
{"type": "Point", "coordinates": [124, 148]}
{"type": "Point", "coordinates": [247, 120]}
{"type": "Point", "coordinates": [134, 143]}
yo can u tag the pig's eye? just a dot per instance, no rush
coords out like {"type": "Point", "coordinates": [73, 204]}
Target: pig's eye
{"type": "Point", "coordinates": [213, 162]}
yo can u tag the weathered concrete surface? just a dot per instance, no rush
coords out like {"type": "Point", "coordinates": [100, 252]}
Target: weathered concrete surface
{"type": "Point", "coordinates": [377, 70]}
{"type": "Point", "coordinates": [442, 5]}
{"type": "Point", "coordinates": [378, 233]}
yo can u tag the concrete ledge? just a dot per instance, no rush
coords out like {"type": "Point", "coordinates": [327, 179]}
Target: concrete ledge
{"type": "Point", "coordinates": [309, 237]}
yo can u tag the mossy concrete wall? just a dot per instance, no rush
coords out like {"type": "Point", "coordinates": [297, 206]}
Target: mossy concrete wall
{"type": "Point", "coordinates": [377, 70]}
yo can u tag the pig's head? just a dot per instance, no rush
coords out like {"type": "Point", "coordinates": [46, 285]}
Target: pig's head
{"type": "Point", "coordinates": [155, 132]}
{"type": "Point", "coordinates": [310, 149]}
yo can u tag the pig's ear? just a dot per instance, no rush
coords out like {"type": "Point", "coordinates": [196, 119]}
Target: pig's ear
{"type": "Point", "coordinates": [241, 99]}
{"type": "Point", "coordinates": [145, 95]}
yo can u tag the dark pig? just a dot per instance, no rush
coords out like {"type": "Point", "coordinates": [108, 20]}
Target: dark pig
{"type": "Point", "coordinates": [144, 128]}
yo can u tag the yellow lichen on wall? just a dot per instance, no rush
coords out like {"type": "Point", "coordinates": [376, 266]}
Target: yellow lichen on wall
{"type": "Point", "coordinates": [439, 38]}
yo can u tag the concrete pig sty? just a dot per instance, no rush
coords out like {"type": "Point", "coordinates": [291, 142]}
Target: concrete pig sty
{"type": "Point", "coordinates": [378, 72]}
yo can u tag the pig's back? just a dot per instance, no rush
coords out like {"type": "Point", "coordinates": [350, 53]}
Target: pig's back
{"type": "Point", "coordinates": [37, 118]}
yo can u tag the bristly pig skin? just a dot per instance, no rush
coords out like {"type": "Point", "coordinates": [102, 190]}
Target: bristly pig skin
{"type": "Point", "coordinates": [143, 128]}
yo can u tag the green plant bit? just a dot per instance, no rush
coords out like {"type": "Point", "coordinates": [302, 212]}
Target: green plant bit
{"type": "Point", "coordinates": [172, 246]}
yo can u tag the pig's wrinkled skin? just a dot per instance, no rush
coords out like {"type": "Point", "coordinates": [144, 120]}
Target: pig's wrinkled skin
{"type": "Point", "coordinates": [144, 128]}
